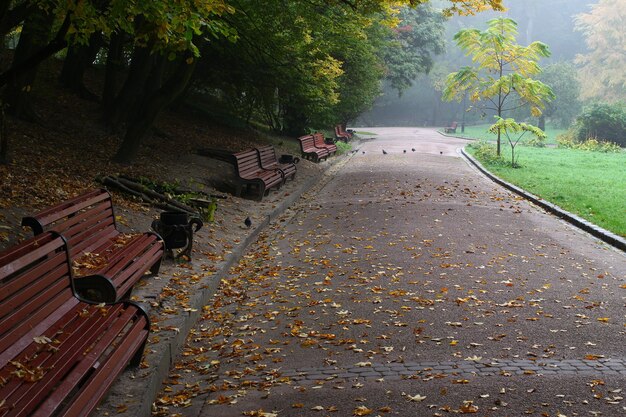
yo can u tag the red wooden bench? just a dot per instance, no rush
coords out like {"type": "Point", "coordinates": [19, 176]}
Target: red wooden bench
{"type": "Point", "coordinates": [58, 354]}
{"type": "Point", "coordinates": [320, 142]}
{"type": "Point", "coordinates": [250, 172]}
{"type": "Point", "coordinates": [87, 222]}
{"type": "Point", "coordinates": [310, 151]}
{"type": "Point", "coordinates": [268, 161]}
{"type": "Point", "coordinates": [451, 128]}
{"type": "Point", "coordinates": [341, 134]}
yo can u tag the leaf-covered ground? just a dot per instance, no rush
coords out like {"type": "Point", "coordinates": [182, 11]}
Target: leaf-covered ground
{"type": "Point", "coordinates": [409, 285]}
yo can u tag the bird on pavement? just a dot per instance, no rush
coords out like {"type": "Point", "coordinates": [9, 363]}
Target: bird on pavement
{"type": "Point", "coordinates": [413, 149]}
{"type": "Point", "coordinates": [248, 222]}
{"type": "Point", "coordinates": [384, 152]}
{"type": "Point", "coordinates": [363, 152]}
{"type": "Point", "coordinates": [440, 153]}
{"type": "Point", "coordinates": [404, 151]}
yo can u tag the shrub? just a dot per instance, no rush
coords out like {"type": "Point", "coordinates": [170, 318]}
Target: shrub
{"type": "Point", "coordinates": [343, 147]}
{"type": "Point", "coordinates": [485, 152]}
{"type": "Point", "coordinates": [567, 140]}
{"type": "Point", "coordinates": [536, 141]}
{"type": "Point", "coordinates": [604, 122]}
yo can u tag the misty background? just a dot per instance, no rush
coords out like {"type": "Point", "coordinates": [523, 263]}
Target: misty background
{"type": "Point", "coordinates": [549, 22]}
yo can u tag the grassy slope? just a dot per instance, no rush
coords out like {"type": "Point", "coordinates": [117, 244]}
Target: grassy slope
{"type": "Point", "coordinates": [589, 184]}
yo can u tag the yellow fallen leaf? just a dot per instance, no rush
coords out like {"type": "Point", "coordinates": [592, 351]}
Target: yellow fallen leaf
{"type": "Point", "coordinates": [415, 398]}
{"type": "Point", "coordinates": [362, 411]}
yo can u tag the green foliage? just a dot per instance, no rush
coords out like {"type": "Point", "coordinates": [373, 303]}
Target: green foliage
{"type": "Point", "coordinates": [563, 80]}
{"type": "Point", "coordinates": [343, 147]}
{"type": "Point", "coordinates": [418, 35]}
{"type": "Point", "coordinates": [514, 132]}
{"type": "Point", "coordinates": [602, 121]}
{"type": "Point", "coordinates": [485, 152]}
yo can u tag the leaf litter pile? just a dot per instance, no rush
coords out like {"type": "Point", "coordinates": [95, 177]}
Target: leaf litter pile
{"type": "Point", "coordinates": [333, 289]}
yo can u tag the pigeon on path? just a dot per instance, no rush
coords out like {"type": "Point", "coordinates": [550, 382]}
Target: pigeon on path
{"type": "Point", "coordinates": [413, 149]}
{"type": "Point", "coordinates": [248, 222]}
{"type": "Point", "coordinates": [384, 152]}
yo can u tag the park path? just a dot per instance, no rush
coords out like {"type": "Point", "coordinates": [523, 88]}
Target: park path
{"type": "Point", "coordinates": [407, 284]}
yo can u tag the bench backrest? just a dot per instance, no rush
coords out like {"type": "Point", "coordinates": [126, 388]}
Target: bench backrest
{"type": "Point", "coordinates": [307, 143]}
{"type": "Point", "coordinates": [84, 221]}
{"type": "Point", "coordinates": [35, 288]}
{"type": "Point", "coordinates": [267, 155]}
{"type": "Point", "coordinates": [247, 162]}
{"type": "Point", "coordinates": [318, 140]}
{"type": "Point", "coordinates": [453, 125]}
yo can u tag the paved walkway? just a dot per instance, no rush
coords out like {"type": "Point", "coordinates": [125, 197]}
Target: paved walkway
{"type": "Point", "coordinates": [409, 285]}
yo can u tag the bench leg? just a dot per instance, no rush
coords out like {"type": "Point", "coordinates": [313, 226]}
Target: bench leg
{"type": "Point", "coordinates": [154, 269]}
{"type": "Point", "coordinates": [135, 362]}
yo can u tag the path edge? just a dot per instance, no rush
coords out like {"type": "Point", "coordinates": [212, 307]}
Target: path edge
{"type": "Point", "coordinates": [164, 355]}
{"type": "Point", "coordinates": [585, 225]}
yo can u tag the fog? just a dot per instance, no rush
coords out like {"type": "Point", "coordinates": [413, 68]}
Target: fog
{"type": "Point", "coordinates": [550, 22]}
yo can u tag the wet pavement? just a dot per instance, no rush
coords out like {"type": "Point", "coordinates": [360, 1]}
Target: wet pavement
{"type": "Point", "coordinates": [407, 284]}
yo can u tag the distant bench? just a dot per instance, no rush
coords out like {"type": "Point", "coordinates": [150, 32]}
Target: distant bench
{"type": "Point", "coordinates": [96, 247]}
{"type": "Point", "coordinates": [341, 134]}
{"type": "Point", "coordinates": [451, 128]}
{"type": "Point", "coordinates": [310, 150]}
{"type": "Point", "coordinates": [320, 142]}
{"type": "Point", "coordinates": [59, 354]}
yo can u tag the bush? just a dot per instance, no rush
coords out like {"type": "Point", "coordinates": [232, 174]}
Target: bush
{"type": "Point", "coordinates": [536, 141]}
{"type": "Point", "coordinates": [343, 147]}
{"type": "Point", "coordinates": [485, 152]}
{"type": "Point", "coordinates": [567, 140]}
{"type": "Point", "coordinates": [603, 122]}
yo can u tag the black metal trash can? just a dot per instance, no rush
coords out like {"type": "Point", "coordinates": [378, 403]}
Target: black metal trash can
{"type": "Point", "coordinates": [177, 228]}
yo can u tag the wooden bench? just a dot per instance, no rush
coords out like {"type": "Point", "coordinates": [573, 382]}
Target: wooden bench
{"type": "Point", "coordinates": [268, 161]}
{"type": "Point", "coordinates": [341, 134]}
{"type": "Point", "coordinates": [59, 354]}
{"type": "Point", "coordinates": [451, 128]}
{"type": "Point", "coordinates": [320, 142]}
{"type": "Point", "coordinates": [310, 151]}
{"type": "Point", "coordinates": [251, 173]}
{"type": "Point", "coordinates": [88, 224]}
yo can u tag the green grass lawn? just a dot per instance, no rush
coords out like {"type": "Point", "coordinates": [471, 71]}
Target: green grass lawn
{"type": "Point", "coordinates": [589, 184]}
{"type": "Point", "coordinates": [480, 132]}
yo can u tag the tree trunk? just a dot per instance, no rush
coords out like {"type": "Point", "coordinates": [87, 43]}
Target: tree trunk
{"type": "Point", "coordinates": [133, 87]}
{"type": "Point", "coordinates": [114, 65]}
{"type": "Point", "coordinates": [152, 105]}
{"type": "Point", "coordinates": [34, 37]}
{"type": "Point", "coordinates": [4, 137]}
{"type": "Point", "coordinates": [541, 123]}
{"type": "Point", "coordinates": [78, 59]}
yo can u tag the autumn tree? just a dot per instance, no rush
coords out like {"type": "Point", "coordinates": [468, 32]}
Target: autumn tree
{"type": "Point", "coordinates": [601, 70]}
{"type": "Point", "coordinates": [502, 73]}
{"type": "Point", "coordinates": [152, 49]}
